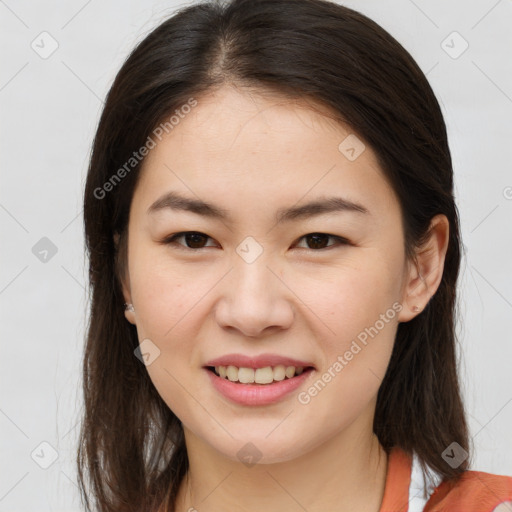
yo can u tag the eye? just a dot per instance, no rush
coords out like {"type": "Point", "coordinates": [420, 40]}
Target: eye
{"type": "Point", "coordinates": [196, 240]}
{"type": "Point", "coordinates": [317, 240]}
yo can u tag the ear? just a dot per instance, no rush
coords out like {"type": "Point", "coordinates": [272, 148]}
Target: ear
{"type": "Point", "coordinates": [125, 285]}
{"type": "Point", "coordinates": [425, 273]}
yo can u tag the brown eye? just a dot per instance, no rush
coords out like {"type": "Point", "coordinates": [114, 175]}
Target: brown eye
{"type": "Point", "coordinates": [193, 239]}
{"type": "Point", "coordinates": [196, 240]}
{"type": "Point", "coordinates": [318, 241]}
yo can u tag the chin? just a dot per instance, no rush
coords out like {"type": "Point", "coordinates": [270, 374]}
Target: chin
{"type": "Point", "coordinates": [258, 449]}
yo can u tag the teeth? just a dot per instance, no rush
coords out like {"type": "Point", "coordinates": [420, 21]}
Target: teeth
{"type": "Point", "coordinates": [262, 375]}
{"type": "Point", "coordinates": [232, 373]}
{"type": "Point", "coordinates": [290, 371]}
{"type": "Point", "coordinates": [265, 375]}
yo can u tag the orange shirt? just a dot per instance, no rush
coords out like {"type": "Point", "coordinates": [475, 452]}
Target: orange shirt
{"type": "Point", "coordinates": [476, 491]}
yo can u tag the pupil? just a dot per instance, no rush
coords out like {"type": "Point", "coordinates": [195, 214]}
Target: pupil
{"type": "Point", "coordinates": [316, 237]}
{"type": "Point", "coordinates": [195, 237]}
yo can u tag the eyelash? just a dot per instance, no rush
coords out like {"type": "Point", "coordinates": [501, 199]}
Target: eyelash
{"type": "Point", "coordinates": [171, 240]}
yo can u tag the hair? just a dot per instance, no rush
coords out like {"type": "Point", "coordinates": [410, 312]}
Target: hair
{"type": "Point", "coordinates": [131, 449]}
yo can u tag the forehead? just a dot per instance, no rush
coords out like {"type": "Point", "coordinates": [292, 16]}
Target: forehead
{"type": "Point", "coordinates": [262, 147]}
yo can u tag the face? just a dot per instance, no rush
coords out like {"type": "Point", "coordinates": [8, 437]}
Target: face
{"type": "Point", "coordinates": [318, 287]}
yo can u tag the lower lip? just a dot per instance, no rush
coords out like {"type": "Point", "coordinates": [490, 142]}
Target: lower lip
{"type": "Point", "coordinates": [257, 394]}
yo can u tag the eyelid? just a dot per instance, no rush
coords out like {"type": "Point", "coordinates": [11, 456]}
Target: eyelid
{"type": "Point", "coordinates": [340, 239]}
{"type": "Point", "coordinates": [171, 240]}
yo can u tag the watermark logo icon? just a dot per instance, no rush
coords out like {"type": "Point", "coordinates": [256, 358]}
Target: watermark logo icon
{"type": "Point", "coordinates": [351, 147]}
{"type": "Point", "coordinates": [454, 45]}
{"type": "Point", "coordinates": [455, 455]}
{"type": "Point", "coordinates": [44, 250]}
{"type": "Point", "coordinates": [44, 455]}
{"type": "Point", "coordinates": [45, 45]}
{"type": "Point", "coordinates": [249, 249]}
{"type": "Point", "coordinates": [147, 352]}
{"type": "Point", "coordinates": [249, 455]}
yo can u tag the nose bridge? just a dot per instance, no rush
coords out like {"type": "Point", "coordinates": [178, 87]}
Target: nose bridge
{"type": "Point", "coordinates": [254, 297]}
{"type": "Point", "coordinates": [252, 275]}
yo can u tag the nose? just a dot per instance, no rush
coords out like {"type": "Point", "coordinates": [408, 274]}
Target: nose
{"type": "Point", "coordinates": [255, 299]}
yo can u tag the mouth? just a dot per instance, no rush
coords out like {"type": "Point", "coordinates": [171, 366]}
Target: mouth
{"type": "Point", "coordinates": [259, 376]}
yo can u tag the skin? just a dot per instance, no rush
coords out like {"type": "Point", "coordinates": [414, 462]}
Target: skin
{"type": "Point", "coordinates": [251, 153]}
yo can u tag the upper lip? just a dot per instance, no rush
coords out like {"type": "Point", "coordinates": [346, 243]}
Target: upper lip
{"type": "Point", "coordinates": [261, 361]}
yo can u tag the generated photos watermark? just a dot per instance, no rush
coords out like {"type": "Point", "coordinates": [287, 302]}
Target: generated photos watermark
{"type": "Point", "coordinates": [137, 156]}
{"type": "Point", "coordinates": [305, 397]}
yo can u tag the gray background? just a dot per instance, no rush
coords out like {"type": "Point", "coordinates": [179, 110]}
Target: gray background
{"type": "Point", "coordinates": [50, 107]}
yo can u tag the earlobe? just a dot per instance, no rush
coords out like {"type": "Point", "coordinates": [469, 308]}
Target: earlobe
{"type": "Point", "coordinates": [129, 312]}
{"type": "Point", "coordinates": [426, 272]}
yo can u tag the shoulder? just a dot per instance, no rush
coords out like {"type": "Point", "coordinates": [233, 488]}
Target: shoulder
{"type": "Point", "coordinates": [410, 489]}
{"type": "Point", "coordinates": [473, 491]}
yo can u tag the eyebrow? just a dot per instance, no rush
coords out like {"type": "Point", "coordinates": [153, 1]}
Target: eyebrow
{"type": "Point", "coordinates": [322, 205]}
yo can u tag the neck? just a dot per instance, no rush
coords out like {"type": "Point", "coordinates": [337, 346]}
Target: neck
{"type": "Point", "coordinates": [348, 472]}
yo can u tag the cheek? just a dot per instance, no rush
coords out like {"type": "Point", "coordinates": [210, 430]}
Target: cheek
{"type": "Point", "coordinates": [359, 311]}
{"type": "Point", "coordinates": [167, 305]}
{"type": "Point", "coordinates": [357, 308]}
{"type": "Point", "coordinates": [166, 295]}
{"type": "Point", "coordinates": [351, 299]}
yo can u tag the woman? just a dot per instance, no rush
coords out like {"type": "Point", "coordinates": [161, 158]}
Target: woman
{"type": "Point", "coordinates": [270, 200]}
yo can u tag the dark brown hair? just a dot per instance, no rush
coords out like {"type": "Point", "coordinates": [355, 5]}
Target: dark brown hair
{"type": "Point", "coordinates": [132, 453]}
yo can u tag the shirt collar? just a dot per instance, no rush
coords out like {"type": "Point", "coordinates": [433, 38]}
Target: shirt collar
{"type": "Point", "coordinates": [398, 479]}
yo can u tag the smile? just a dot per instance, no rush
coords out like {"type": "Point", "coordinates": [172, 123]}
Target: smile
{"type": "Point", "coordinates": [264, 389]}
{"type": "Point", "coordinates": [266, 375]}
